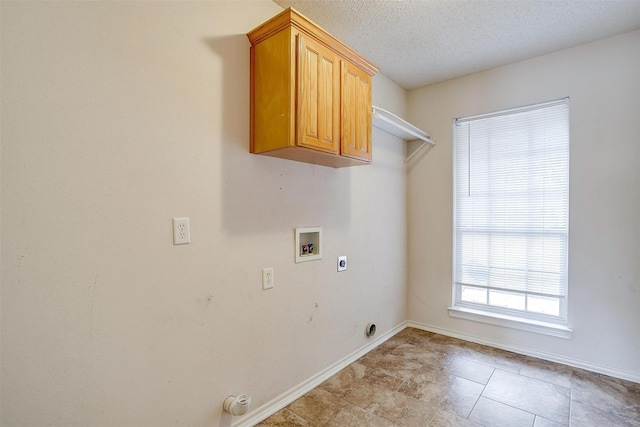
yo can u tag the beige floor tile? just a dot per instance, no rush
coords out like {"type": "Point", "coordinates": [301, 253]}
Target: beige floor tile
{"type": "Point", "coordinates": [537, 397]}
{"type": "Point", "coordinates": [285, 418]}
{"type": "Point", "coordinates": [588, 416]}
{"type": "Point", "coordinates": [469, 369]}
{"type": "Point", "coordinates": [495, 414]}
{"type": "Point", "coordinates": [550, 372]}
{"type": "Point", "coordinates": [543, 422]}
{"type": "Point", "coordinates": [403, 410]}
{"type": "Point", "coordinates": [372, 358]}
{"type": "Point", "coordinates": [492, 357]}
{"type": "Point", "coordinates": [361, 385]}
{"type": "Point", "coordinates": [448, 392]}
{"type": "Point", "coordinates": [447, 419]}
{"type": "Point", "coordinates": [317, 406]}
{"type": "Point", "coordinates": [355, 416]}
{"type": "Point", "coordinates": [614, 396]}
{"type": "Point", "coordinates": [431, 356]}
{"type": "Point", "coordinates": [397, 366]}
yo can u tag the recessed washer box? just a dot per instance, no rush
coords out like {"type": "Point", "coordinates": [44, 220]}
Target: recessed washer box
{"type": "Point", "coordinates": [308, 244]}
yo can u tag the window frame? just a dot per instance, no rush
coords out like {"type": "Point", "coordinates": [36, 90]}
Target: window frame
{"type": "Point", "coordinates": [521, 319]}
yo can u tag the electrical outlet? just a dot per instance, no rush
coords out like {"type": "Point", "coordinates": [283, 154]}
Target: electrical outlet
{"type": "Point", "coordinates": [342, 263]}
{"type": "Point", "coordinates": [181, 232]}
{"type": "Point", "coordinates": [267, 278]}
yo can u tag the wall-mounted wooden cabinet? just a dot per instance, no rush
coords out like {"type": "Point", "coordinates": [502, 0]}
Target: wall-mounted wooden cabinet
{"type": "Point", "coordinates": [310, 94]}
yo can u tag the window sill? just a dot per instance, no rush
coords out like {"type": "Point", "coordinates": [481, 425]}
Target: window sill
{"type": "Point", "coordinates": [539, 327]}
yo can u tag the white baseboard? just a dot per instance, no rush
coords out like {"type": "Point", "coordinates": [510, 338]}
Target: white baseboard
{"type": "Point", "coordinates": [270, 408]}
{"type": "Point", "coordinates": [577, 363]}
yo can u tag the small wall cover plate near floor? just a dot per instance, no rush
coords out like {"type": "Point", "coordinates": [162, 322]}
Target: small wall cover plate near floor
{"type": "Point", "coordinates": [342, 263]}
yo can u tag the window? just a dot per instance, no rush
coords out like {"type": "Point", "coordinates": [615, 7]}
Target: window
{"type": "Point", "coordinates": [511, 208]}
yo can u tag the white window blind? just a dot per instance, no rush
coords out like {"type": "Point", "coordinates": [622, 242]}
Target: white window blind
{"type": "Point", "coordinates": [511, 211]}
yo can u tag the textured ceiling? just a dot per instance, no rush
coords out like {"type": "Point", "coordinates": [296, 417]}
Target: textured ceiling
{"type": "Point", "coordinates": [420, 42]}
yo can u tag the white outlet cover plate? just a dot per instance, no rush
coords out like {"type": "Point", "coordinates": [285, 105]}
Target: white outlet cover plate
{"type": "Point", "coordinates": [267, 278]}
{"type": "Point", "coordinates": [342, 263]}
{"type": "Point", "coordinates": [181, 231]}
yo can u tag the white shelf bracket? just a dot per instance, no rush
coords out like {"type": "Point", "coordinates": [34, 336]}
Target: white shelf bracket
{"type": "Point", "coordinates": [415, 139]}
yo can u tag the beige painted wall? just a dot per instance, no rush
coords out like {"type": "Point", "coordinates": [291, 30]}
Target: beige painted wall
{"type": "Point", "coordinates": [603, 81]}
{"type": "Point", "coordinates": [118, 116]}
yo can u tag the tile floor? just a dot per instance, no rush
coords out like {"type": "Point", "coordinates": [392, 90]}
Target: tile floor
{"type": "Point", "coordinates": [419, 378]}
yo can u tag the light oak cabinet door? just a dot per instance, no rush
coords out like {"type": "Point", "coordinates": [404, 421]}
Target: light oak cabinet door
{"type": "Point", "coordinates": [318, 102]}
{"type": "Point", "coordinates": [356, 112]}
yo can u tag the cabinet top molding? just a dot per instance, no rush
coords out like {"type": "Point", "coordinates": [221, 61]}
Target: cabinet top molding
{"type": "Point", "coordinates": [292, 18]}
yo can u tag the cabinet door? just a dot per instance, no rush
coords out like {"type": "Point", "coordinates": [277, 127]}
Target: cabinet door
{"type": "Point", "coordinates": [318, 103]}
{"type": "Point", "coordinates": [356, 112]}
